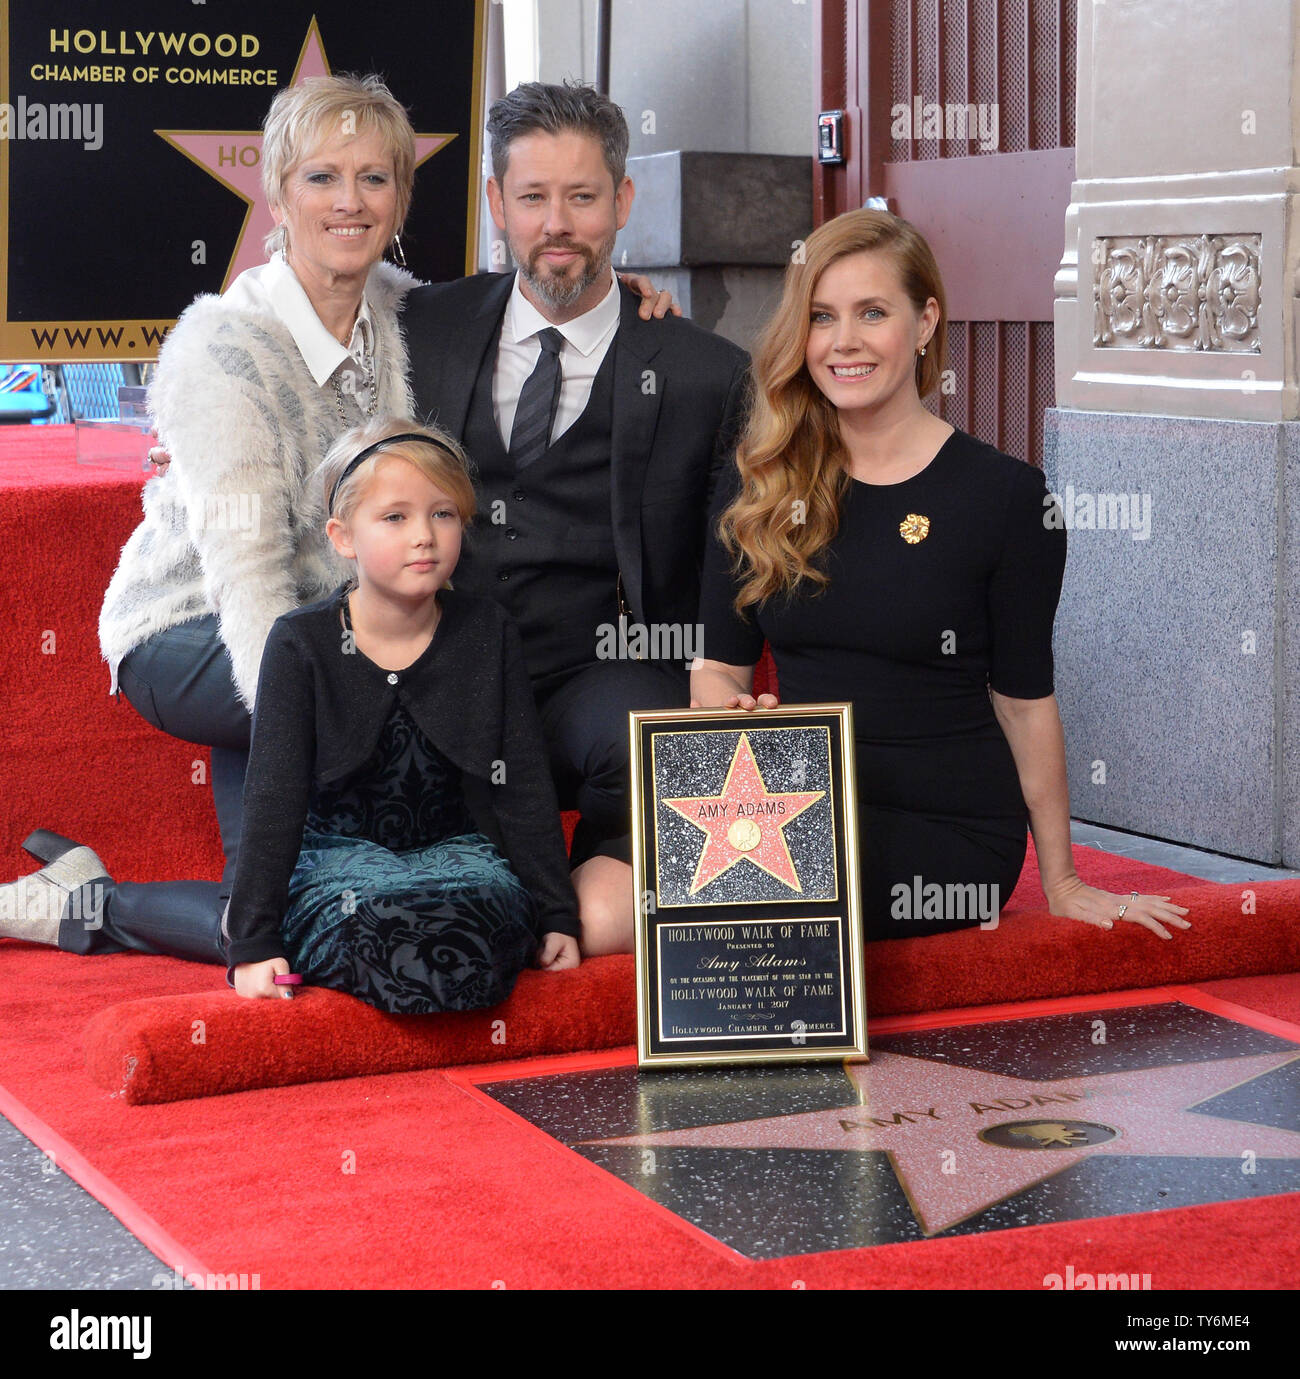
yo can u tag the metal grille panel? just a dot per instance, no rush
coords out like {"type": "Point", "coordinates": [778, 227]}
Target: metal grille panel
{"type": "Point", "coordinates": [1002, 381]}
{"type": "Point", "coordinates": [1068, 48]}
{"type": "Point", "coordinates": [954, 59]}
{"type": "Point", "coordinates": [984, 61]}
{"type": "Point", "coordinates": [1014, 438]}
{"type": "Point", "coordinates": [927, 69]}
{"type": "Point", "coordinates": [1045, 75]}
{"type": "Point", "coordinates": [81, 391]}
{"type": "Point", "coordinates": [900, 72]}
{"type": "Point", "coordinates": [952, 405]}
{"type": "Point", "coordinates": [984, 380]}
{"type": "Point", "coordinates": [1019, 56]}
{"type": "Point", "coordinates": [1013, 80]}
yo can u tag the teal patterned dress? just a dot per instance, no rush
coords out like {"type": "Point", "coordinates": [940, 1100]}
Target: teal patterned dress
{"type": "Point", "coordinates": [395, 898]}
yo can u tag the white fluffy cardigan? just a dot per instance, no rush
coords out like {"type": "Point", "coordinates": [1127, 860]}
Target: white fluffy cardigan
{"type": "Point", "coordinates": [234, 527]}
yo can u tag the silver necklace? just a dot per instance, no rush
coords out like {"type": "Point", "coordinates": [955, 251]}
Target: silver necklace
{"type": "Point", "coordinates": [370, 407]}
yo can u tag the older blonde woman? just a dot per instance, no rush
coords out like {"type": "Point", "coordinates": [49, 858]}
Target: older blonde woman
{"type": "Point", "coordinates": [251, 390]}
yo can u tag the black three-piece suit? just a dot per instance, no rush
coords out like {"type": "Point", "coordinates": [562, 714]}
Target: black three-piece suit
{"type": "Point", "coordinates": [611, 518]}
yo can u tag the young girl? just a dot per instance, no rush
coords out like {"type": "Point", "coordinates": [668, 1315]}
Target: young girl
{"type": "Point", "coordinates": [394, 727]}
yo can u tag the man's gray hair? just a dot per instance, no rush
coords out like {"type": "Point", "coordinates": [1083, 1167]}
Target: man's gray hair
{"type": "Point", "coordinates": [534, 107]}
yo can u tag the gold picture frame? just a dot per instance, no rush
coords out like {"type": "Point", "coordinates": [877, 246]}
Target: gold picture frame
{"type": "Point", "coordinates": [749, 945]}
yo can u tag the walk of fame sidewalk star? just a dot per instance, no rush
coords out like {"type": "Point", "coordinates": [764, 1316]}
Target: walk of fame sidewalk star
{"type": "Point", "coordinates": [917, 1108]}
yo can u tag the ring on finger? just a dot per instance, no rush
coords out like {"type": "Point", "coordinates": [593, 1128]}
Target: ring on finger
{"type": "Point", "coordinates": [1122, 908]}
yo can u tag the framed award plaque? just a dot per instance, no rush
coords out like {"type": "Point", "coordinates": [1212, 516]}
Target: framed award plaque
{"type": "Point", "coordinates": [749, 938]}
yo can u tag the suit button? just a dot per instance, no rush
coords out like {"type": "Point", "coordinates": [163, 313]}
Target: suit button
{"type": "Point", "coordinates": [518, 495]}
{"type": "Point", "coordinates": [503, 575]}
{"type": "Point", "coordinates": [511, 534]}
{"type": "Point", "coordinates": [392, 677]}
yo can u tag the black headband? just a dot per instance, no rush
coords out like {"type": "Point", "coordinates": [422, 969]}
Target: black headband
{"type": "Point", "coordinates": [366, 454]}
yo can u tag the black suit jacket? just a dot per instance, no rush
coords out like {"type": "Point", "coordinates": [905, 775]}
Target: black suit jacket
{"type": "Point", "coordinates": [680, 395]}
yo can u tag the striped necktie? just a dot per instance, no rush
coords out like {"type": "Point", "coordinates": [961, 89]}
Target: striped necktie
{"type": "Point", "coordinates": [531, 432]}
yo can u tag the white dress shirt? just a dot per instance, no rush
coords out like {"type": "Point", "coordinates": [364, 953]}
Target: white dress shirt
{"type": "Point", "coordinates": [586, 340]}
{"type": "Point", "coordinates": [274, 287]}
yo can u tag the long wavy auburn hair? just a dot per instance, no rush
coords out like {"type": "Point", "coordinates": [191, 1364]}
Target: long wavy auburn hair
{"type": "Point", "coordinates": [792, 461]}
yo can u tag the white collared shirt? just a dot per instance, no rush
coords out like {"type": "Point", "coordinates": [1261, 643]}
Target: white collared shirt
{"type": "Point", "coordinates": [274, 287]}
{"type": "Point", "coordinates": [587, 338]}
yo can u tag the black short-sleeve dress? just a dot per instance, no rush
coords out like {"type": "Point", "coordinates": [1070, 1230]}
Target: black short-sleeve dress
{"type": "Point", "coordinates": [941, 587]}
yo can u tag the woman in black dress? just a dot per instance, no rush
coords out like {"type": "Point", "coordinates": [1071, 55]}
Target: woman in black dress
{"type": "Point", "coordinates": [906, 567]}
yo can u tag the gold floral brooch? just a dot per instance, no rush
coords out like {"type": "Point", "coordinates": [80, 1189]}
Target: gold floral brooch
{"type": "Point", "coordinates": [914, 528]}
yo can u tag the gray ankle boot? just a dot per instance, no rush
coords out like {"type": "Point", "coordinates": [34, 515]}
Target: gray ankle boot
{"type": "Point", "coordinates": [34, 906]}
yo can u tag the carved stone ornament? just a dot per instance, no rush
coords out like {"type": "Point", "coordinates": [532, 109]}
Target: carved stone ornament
{"type": "Point", "coordinates": [1179, 292]}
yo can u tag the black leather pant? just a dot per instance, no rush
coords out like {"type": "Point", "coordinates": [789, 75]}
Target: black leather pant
{"type": "Point", "coordinates": [180, 681]}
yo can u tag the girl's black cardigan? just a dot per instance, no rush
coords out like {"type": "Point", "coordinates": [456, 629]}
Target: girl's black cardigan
{"type": "Point", "coordinates": [320, 707]}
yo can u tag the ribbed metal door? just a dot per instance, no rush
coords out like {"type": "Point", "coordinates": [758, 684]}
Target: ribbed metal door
{"type": "Point", "coordinates": [922, 82]}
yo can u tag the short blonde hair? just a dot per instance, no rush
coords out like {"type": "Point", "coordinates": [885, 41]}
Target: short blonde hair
{"type": "Point", "coordinates": [438, 457]}
{"type": "Point", "coordinates": [303, 117]}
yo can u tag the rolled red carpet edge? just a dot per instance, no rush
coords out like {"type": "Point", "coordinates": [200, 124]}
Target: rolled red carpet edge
{"type": "Point", "coordinates": [169, 1048]}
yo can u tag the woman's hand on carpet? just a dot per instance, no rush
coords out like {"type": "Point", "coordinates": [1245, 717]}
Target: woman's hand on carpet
{"type": "Point", "coordinates": [1074, 900]}
{"type": "Point", "coordinates": [557, 952]}
{"type": "Point", "coordinates": [656, 302]}
{"type": "Point", "coordinates": [258, 978]}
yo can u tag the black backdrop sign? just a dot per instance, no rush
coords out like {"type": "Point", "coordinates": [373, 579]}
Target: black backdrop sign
{"type": "Point", "coordinates": [130, 149]}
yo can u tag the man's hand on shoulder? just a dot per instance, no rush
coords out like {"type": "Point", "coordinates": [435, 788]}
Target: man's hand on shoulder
{"type": "Point", "coordinates": [654, 302]}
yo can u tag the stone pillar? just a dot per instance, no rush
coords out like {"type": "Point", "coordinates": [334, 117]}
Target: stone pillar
{"type": "Point", "coordinates": [1175, 446]}
{"type": "Point", "coordinates": [717, 230]}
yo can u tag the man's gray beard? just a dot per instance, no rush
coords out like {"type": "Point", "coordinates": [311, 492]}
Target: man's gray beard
{"type": "Point", "coordinates": [560, 293]}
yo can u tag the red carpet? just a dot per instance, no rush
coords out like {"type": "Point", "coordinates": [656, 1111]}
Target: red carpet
{"type": "Point", "coordinates": [478, 1197]}
{"type": "Point", "coordinates": [408, 1181]}
{"type": "Point", "coordinates": [72, 758]}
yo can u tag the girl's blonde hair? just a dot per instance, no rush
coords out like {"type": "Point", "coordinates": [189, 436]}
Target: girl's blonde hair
{"type": "Point", "coordinates": [437, 456]}
{"type": "Point", "coordinates": [303, 117]}
{"type": "Point", "coordinates": [792, 462]}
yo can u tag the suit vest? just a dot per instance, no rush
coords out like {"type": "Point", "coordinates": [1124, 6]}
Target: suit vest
{"type": "Point", "coordinates": [542, 544]}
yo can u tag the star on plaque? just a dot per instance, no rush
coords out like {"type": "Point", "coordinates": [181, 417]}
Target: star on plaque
{"type": "Point", "coordinates": [234, 158]}
{"type": "Point", "coordinates": [746, 822]}
{"type": "Point", "coordinates": [958, 1140]}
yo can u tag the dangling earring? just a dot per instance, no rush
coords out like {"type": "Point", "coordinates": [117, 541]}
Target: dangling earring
{"type": "Point", "coordinates": [922, 351]}
{"type": "Point", "coordinates": [397, 251]}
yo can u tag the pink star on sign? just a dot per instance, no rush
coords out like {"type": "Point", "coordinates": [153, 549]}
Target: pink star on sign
{"type": "Point", "coordinates": [928, 1115]}
{"type": "Point", "coordinates": [745, 822]}
{"type": "Point", "coordinates": [234, 158]}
